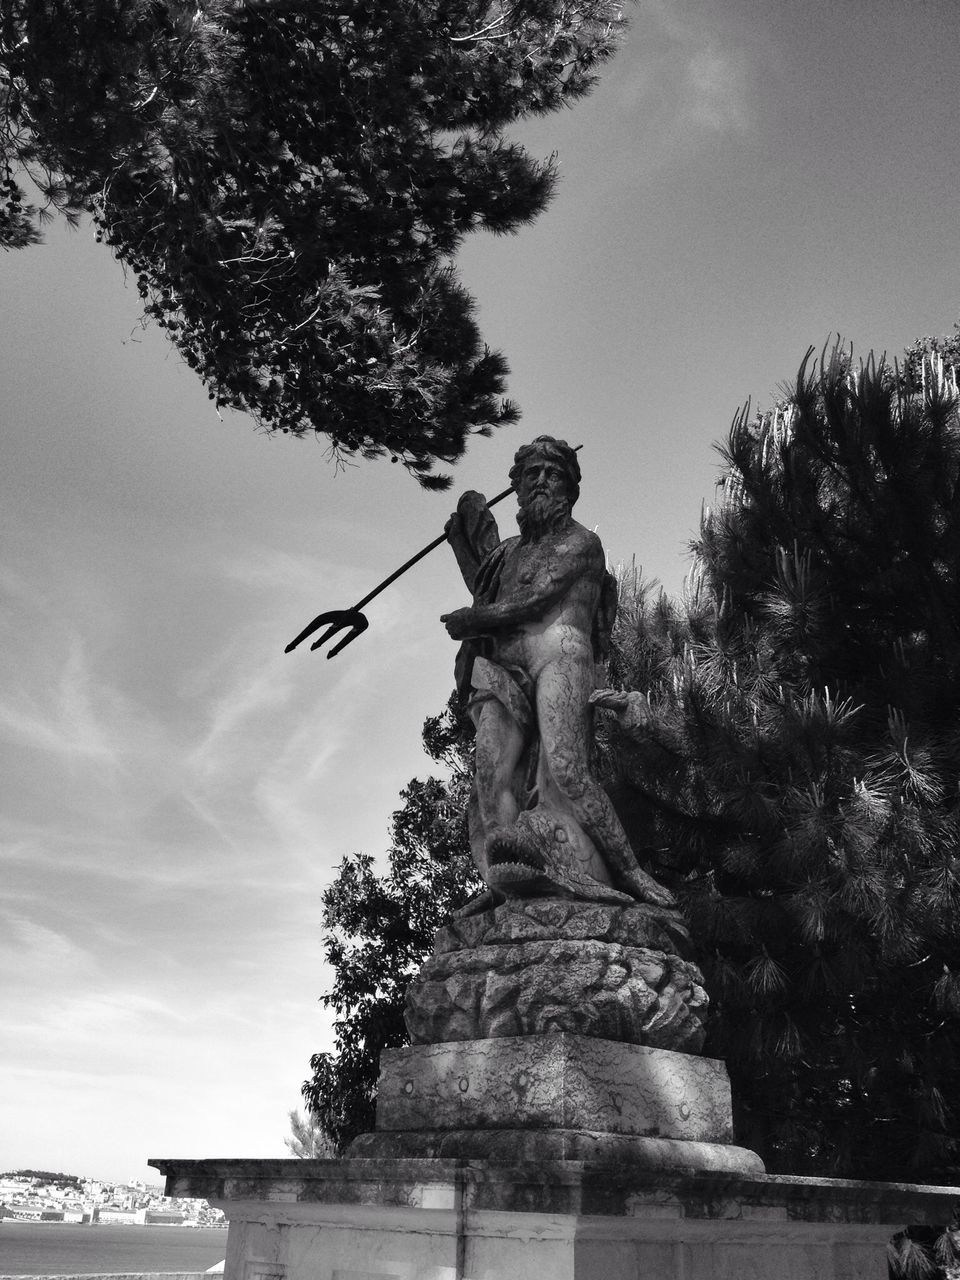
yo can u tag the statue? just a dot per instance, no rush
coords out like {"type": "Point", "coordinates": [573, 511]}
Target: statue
{"type": "Point", "coordinates": [543, 606]}
{"type": "Point", "coordinates": [571, 934]}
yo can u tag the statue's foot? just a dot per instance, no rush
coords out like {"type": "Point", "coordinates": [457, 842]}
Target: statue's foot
{"type": "Point", "coordinates": [647, 889]}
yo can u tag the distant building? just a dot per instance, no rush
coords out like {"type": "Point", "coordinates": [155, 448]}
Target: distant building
{"type": "Point", "coordinates": [32, 1213]}
{"type": "Point", "coordinates": [106, 1213]}
{"type": "Point", "coordinates": [164, 1217]}
{"type": "Point", "coordinates": [134, 1203]}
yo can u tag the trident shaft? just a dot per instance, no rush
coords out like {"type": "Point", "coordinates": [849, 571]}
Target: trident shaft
{"type": "Point", "coordinates": [354, 621]}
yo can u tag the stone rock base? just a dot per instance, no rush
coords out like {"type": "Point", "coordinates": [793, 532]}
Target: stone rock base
{"type": "Point", "coordinates": [452, 1220]}
{"type": "Point", "coordinates": [556, 1097]}
{"type": "Point", "coordinates": [536, 966]}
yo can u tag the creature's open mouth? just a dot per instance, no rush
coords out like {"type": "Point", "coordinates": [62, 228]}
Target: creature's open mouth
{"type": "Point", "coordinates": [506, 875]}
{"type": "Point", "coordinates": [503, 851]}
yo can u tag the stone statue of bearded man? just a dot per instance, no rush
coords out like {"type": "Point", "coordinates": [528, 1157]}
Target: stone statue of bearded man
{"type": "Point", "coordinates": [543, 606]}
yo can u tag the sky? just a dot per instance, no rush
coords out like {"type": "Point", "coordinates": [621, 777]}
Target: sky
{"type": "Point", "coordinates": [175, 792]}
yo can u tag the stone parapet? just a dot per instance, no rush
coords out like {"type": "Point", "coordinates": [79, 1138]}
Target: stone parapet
{"type": "Point", "coordinates": [570, 1187]}
{"type": "Point", "coordinates": [563, 1220]}
{"type": "Point", "coordinates": [118, 1275]}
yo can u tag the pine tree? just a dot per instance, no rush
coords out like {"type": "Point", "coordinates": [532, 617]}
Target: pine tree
{"type": "Point", "coordinates": [794, 755]}
{"type": "Point", "coordinates": [307, 1141]}
{"type": "Point", "coordinates": [288, 180]}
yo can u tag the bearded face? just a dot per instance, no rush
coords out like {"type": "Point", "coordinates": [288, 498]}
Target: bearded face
{"type": "Point", "coordinates": [544, 499]}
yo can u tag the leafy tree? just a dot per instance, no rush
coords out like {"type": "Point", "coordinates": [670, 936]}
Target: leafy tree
{"type": "Point", "coordinates": [288, 179]}
{"type": "Point", "coordinates": [45, 1175]}
{"type": "Point", "coordinates": [947, 348]}
{"type": "Point", "coordinates": [381, 926]}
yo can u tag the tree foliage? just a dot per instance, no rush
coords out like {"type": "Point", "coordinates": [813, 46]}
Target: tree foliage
{"type": "Point", "coordinates": [380, 928]}
{"type": "Point", "coordinates": [288, 179]}
{"type": "Point", "coordinates": [911, 374]}
{"type": "Point", "coordinates": [307, 1140]}
{"type": "Point", "coordinates": [65, 1180]}
{"type": "Point", "coordinates": [797, 759]}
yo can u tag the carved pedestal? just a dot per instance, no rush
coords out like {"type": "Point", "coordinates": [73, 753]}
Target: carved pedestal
{"type": "Point", "coordinates": [556, 1097]}
{"type": "Point", "coordinates": [552, 1121]}
{"type": "Point", "coordinates": [537, 966]}
{"type": "Point", "coordinates": [553, 1029]}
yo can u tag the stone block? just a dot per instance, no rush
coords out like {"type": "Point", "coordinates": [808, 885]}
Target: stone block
{"type": "Point", "coordinates": [561, 1081]}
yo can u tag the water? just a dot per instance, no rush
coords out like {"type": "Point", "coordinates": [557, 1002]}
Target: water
{"type": "Point", "coordinates": [57, 1248]}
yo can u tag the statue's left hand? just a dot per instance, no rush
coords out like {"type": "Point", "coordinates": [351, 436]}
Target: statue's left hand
{"type": "Point", "coordinates": [610, 699]}
{"type": "Point", "coordinates": [631, 707]}
{"type": "Point", "coordinates": [460, 624]}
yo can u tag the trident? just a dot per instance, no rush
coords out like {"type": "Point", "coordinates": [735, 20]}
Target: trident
{"type": "Point", "coordinates": [340, 619]}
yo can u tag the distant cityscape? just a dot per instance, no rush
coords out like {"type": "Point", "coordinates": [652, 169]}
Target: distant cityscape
{"type": "Point", "coordinates": [37, 1196]}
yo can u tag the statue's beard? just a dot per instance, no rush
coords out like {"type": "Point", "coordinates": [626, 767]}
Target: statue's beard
{"type": "Point", "coordinates": [543, 513]}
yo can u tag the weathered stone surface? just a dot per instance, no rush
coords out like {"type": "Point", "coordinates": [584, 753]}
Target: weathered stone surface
{"type": "Point", "coordinates": [516, 1146]}
{"type": "Point", "coordinates": [563, 1082]}
{"type": "Point", "coordinates": [559, 1187]}
{"type": "Point", "coordinates": [123, 1275]}
{"type": "Point", "coordinates": [422, 1219]}
{"type": "Point", "coordinates": [545, 919]}
{"type": "Point", "coordinates": [535, 966]}
{"type": "Point", "coordinates": [633, 994]}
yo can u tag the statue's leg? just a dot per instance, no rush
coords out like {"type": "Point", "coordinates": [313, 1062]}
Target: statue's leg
{"type": "Point", "coordinates": [499, 748]}
{"type": "Point", "coordinates": [563, 688]}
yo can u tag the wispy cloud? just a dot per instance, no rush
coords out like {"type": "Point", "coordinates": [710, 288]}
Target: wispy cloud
{"type": "Point", "coordinates": [41, 951]}
{"type": "Point", "coordinates": [251, 689]}
{"type": "Point", "coordinates": [718, 94]}
{"type": "Point", "coordinates": [688, 78]}
{"type": "Point", "coordinates": [64, 718]}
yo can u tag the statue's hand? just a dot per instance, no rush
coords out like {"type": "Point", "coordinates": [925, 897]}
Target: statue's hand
{"type": "Point", "coordinates": [471, 508]}
{"type": "Point", "coordinates": [460, 624]}
{"type": "Point", "coordinates": [631, 708]}
{"type": "Point", "coordinates": [610, 699]}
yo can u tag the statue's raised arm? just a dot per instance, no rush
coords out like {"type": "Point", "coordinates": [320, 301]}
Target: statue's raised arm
{"type": "Point", "coordinates": [542, 606]}
{"type": "Point", "coordinates": [473, 534]}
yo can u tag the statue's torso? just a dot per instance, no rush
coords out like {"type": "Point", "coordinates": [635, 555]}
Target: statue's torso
{"type": "Point", "coordinates": [564, 631]}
